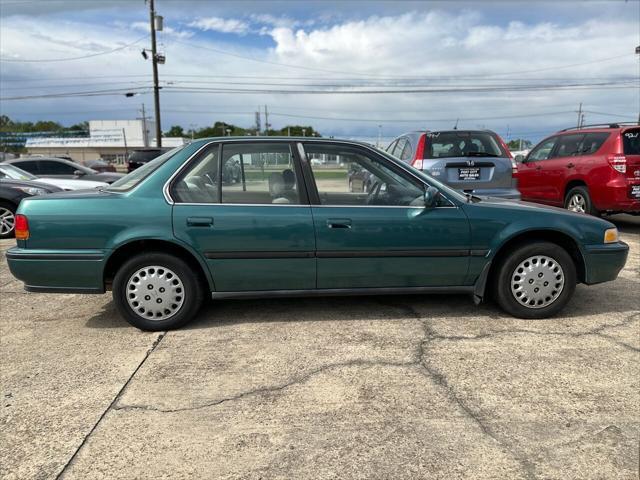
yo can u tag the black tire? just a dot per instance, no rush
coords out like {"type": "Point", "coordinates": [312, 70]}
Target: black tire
{"type": "Point", "coordinates": [170, 269]}
{"type": "Point", "coordinates": [578, 197]}
{"type": "Point", "coordinates": [506, 274]}
{"type": "Point", "coordinates": [7, 220]}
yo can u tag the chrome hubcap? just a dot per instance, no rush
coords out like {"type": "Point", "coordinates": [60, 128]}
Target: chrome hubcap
{"type": "Point", "coordinates": [577, 203]}
{"type": "Point", "coordinates": [155, 292]}
{"type": "Point", "coordinates": [7, 221]}
{"type": "Point", "coordinates": [537, 282]}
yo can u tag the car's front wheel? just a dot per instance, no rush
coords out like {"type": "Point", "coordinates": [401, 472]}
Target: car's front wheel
{"type": "Point", "coordinates": [157, 291]}
{"type": "Point", "coordinates": [535, 280]}
{"type": "Point", "coordinates": [7, 220]}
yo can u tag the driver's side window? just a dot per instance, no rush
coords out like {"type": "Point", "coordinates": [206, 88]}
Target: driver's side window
{"type": "Point", "coordinates": [351, 176]}
{"type": "Point", "coordinates": [542, 151]}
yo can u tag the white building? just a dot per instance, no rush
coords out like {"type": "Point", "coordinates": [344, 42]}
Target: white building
{"type": "Point", "coordinates": [111, 140]}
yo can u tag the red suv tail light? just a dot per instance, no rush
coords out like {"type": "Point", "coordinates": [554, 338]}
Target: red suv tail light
{"type": "Point", "coordinates": [22, 227]}
{"type": "Point", "coordinates": [618, 162]}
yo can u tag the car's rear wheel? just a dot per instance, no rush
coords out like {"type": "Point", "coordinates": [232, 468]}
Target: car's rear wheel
{"type": "Point", "coordinates": [7, 219]}
{"type": "Point", "coordinates": [535, 280]}
{"type": "Point", "coordinates": [157, 291]}
{"type": "Point", "coordinates": [578, 200]}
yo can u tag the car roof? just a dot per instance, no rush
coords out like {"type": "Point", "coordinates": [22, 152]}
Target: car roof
{"type": "Point", "coordinates": [599, 128]}
{"type": "Point", "coordinates": [280, 138]}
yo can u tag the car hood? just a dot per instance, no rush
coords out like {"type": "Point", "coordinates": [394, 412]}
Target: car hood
{"type": "Point", "coordinates": [528, 208]}
{"type": "Point", "coordinates": [72, 184]}
{"type": "Point", "coordinates": [29, 183]}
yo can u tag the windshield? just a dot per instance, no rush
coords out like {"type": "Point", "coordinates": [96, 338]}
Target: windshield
{"type": "Point", "coordinates": [15, 173]}
{"type": "Point", "coordinates": [427, 178]}
{"type": "Point", "coordinates": [461, 144]}
{"type": "Point", "coordinates": [134, 178]}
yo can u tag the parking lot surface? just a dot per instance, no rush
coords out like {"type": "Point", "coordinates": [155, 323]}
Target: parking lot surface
{"type": "Point", "coordinates": [382, 387]}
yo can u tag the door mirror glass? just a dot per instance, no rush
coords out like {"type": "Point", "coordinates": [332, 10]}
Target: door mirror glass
{"type": "Point", "coordinates": [519, 158]}
{"type": "Point", "coordinates": [78, 173]}
{"type": "Point", "coordinates": [431, 195]}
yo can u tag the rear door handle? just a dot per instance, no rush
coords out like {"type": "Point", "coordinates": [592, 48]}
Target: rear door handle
{"type": "Point", "coordinates": [199, 221]}
{"type": "Point", "coordinates": [339, 223]}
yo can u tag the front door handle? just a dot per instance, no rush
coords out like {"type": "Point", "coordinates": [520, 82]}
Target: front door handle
{"type": "Point", "coordinates": [339, 223]}
{"type": "Point", "coordinates": [538, 167]}
{"type": "Point", "coordinates": [199, 221]}
{"type": "Point", "coordinates": [570, 165]}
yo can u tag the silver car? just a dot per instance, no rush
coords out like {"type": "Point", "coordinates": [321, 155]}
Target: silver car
{"type": "Point", "coordinates": [474, 161]}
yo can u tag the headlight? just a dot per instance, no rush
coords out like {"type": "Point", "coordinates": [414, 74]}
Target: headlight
{"type": "Point", "coordinates": [611, 235]}
{"type": "Point", "coordinates": [33, 190]}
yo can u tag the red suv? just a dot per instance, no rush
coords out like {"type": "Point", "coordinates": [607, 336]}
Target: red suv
{"type": "Point", "coordinates": [589, 170]}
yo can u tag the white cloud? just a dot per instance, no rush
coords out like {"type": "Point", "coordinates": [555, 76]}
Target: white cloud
{"type": "Point", "coordinates": [166, 30]}
{"type": "Point", "coordinates": [222, 25]}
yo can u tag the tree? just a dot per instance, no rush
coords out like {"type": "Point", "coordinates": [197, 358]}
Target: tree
{"type": "Point", "coordinates": [175, 131]}
{"type": "Point", "coordinates": [515, 144]}
{"type": "Point", "coordinates": [296, 131]}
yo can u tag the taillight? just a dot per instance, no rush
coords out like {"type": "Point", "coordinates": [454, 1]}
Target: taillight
{"type": "Point", "coordinates": [514, 168]}
{"type": "Point", "coordinates": [417, 161]}
{"type": "Point", "coordinates": [618, 162]}
{"type": "Point", "coordinates": [22, 227]}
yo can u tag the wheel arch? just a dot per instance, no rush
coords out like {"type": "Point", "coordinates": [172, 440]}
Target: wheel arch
{"type": "Point", "coordinates": [123, 252]}
{"type": "Point", "coordinates": [560, 238]}
{"type": "Point", "coordinates": [574, 182]}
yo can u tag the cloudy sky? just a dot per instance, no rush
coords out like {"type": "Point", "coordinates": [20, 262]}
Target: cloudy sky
{"type": "Point", "coordinates": [518, 67]}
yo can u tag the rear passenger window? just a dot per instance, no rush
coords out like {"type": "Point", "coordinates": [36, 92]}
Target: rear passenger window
{"type": "Point", "coordinates": [31, 166]}
{"type": "Point", "coordinates": [569, 145]}
{"type": "Point", "coordinates": [592, 142]}
{"type": "Point", "coordinates": [259, 173]}
{"type": "Point", "coordinates": [631, 142]}
{"type": "Point", "coordinates": [397, 152]}
{"type": "Point", "coordinates": [406, 152]}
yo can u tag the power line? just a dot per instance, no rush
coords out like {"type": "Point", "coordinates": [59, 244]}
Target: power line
{"type": "Point", "coordinates": [72, 58]}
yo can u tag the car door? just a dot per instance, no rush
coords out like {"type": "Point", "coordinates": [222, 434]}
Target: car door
{"type": "Point", "coordinates": [530, 178]}
{"type": "Point", "coordinates": [561, 165]}
{"type": "Point", "coordinates": [384, 237]}
{"type": "Point", "coordinates": [256, 233]}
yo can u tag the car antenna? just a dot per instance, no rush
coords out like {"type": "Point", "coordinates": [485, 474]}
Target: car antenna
{"type": "Point", "coordinates": [455, 127]}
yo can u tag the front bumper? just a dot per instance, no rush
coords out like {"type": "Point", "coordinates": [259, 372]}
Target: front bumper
{"type": "Point", "coordinates": [58, 271]}
{"type": "Point", "coordinates": [604, 262]}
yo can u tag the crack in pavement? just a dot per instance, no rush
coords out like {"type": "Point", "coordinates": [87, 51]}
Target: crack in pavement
{"type": "Point", "coordinates": [155, 343]}
{"type": "Point", "coordinates": [270, 389]}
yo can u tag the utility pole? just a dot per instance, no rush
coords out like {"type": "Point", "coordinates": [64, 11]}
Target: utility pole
{"type": "Point", "coordinates": [145, 133]}
{"type": "Point", "coordinates": [258, 122]}
{"type": "Point", "coordinates": [379, 142]}
{"type": "Point", "coordinates": [580, 117]}
{"type": "Point", "coordinates": [154, 62]}
{"type": "Point", "coordinates": [266, 121]}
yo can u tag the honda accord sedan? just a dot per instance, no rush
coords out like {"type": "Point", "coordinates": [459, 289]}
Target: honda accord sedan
{"type": "Point", "coordinates": [174, 232]}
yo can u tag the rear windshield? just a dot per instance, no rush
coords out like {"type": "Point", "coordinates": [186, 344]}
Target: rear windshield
{"type": "Point", "coordinates": [134, 178]}
{"type": "Point", "coordinates": [461, 144]}
{"type": "Point", "coordinates": [631, 141]}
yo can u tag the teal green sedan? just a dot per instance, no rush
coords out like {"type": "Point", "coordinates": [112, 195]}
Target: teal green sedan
{"type": "Point", "coordinates": [265, 217]}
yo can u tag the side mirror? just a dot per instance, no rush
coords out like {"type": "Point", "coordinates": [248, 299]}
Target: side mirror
{"type": "Point", "coordinates": [78, 173]}
{"type": "Point", "coordinates": [519, 158]}
{"type": "Point", "coordinates": [431, 195]}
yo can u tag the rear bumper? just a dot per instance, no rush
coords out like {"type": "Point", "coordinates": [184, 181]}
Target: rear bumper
{"type": "Point", "coordinates": [616, 197]}
{"type": "Point", "coordinates": [58, 271]}
{"type": "Point", "coordinates": [506, 193]}
{"type": "Point", "coordinates": [604, 262]}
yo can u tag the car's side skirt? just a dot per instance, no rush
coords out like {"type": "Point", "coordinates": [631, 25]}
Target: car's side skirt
{"type": "Point", "coordinates": [331, 292]}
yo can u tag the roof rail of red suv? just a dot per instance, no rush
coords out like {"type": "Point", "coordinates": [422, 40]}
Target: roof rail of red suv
{"type": "Point", "coordinates": [601, 125]}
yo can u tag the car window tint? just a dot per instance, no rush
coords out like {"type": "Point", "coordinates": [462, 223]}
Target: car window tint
{"type": "Point", "coordinates": [461, 144]}
{"type": "Point", "coordinates": [406, 151]}
{"type": "Point", "coordinates": [259, 173]}
{"type": "Point", "coordinates": [542, 151]}
{"type": "Point", "coordinates": [391, 146]}
{"type": "Point", "coordinates": [50, 167]}
{"type": "Point", "coordinates": [592, 142]}
{"type": "Point", "coordinates": [568, 145]}
{"type": "Point", "coordinates": [397, 151]}
{"type": "Point", "coordinates": [199, 182]}
{"type": "Point", "coordinates": [359, 178]}
{"type": "Point", "coordinates": [631, 141]}
{"type": "Point", "coordinates": [30, 166]}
